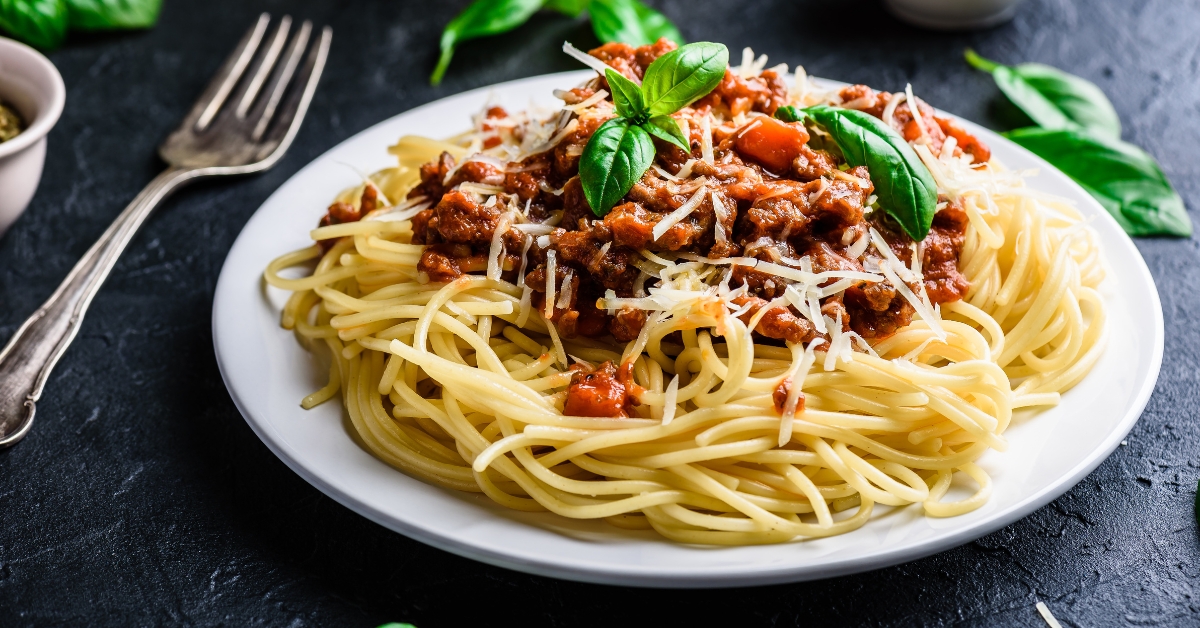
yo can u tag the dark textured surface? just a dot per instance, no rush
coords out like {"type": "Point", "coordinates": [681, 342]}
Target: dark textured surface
{"type": "Point", "coordinates": [142, 498]}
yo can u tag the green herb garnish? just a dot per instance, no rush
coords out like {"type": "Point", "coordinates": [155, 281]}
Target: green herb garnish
{"type": "Point", "coordinates": [43, 23]}
{"type": "Point", "coordinates": [905, 187]}
{"type": "Point", "coordinates": [620, 151]}
{"type": "Point", "coordinates": [1078, 132]}
{"type": "Point", "coordinates": [627, 21]}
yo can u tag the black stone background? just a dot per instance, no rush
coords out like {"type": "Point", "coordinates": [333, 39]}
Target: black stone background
{"type": "Point", "coordinates": [141, 497]}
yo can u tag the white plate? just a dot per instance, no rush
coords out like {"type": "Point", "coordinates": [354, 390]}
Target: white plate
{"type": "Point", "coordinates": [267, 374]}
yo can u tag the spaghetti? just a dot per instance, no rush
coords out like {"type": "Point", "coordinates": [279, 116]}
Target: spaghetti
{"type": "Point", "coordinates": [743, 396]}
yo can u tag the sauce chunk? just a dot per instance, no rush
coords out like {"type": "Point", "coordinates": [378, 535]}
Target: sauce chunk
{"type": "Point", "coordinates": [772, 143]}
{"type": "Point", "coordinates": [598, 393]}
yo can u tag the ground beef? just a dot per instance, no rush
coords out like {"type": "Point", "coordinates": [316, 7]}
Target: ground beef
{"type": "Point", "coordinates": [627, 324]}
{"type": "Point", "coordinates": [941, 250]}
{"type": "Point", "coordinates": [461, 219]}
{"type": "Point", "coordinates": [778, 199]}
{"type": "Point", "coordinates": [779, 322]}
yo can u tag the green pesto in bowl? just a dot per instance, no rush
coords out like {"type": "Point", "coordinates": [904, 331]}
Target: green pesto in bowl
{"type": "Point", "coordinates": [11, 124]}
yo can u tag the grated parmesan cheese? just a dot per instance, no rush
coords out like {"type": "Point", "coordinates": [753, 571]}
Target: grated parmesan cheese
{"type": "Point", "coordinates": [787, 421]}
{"type": "Point", "coordinates": [560, 352]}
{"type": "Point", "coordinates": [860, 245]}
{"type": "Point", "coordinates": [591, 100]}
{"type": "Point", "coordinates": [524, 261]}
{"type": "Point", "coordinates": [479, 189]}
{"type": "Point", "coordinates": [889, 111]}
{"type": "Point", "coordinates": [706, 145]}
{"type": "Point", "coordinates": [669, 400]}
{"type": "Point", "coordinates": [551, 270]}
{"type": "Point", "coordinates": [889, 269]}
{"type": "Point", "coordinates": [914, 106]}
{"type": "Point", "coordinates": [585, 58]}
{"type": "Point", "coordinates": [719, 213]}
{"type": "Point", "coordinates": [564, 298]}
{"type": "Point", "coordinates": [679, 214]}
{"type": "Point", "coordinates": [494, 265]}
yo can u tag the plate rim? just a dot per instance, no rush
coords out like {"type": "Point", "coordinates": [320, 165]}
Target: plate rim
{"type": "Point", "coordinates": [655, 577]}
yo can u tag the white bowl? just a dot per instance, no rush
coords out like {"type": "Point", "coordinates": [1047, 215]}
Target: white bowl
{"type": "Point", "coordinates": [30, 84]}
{"type": "Point", "coordinates": [954, 14]}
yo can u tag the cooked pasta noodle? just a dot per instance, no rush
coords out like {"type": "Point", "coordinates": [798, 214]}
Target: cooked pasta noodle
{"type": "Point", "coordinates": [463, 383]}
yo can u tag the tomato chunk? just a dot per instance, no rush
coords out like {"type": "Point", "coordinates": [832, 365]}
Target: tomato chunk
{"type": "Point", "coordinates": [772, 143]}
{"type": "Point", "coordinates": [597, 394]}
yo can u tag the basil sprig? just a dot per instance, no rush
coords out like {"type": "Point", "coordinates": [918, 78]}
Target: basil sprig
{"type": "Point", "coordinates": [903, 184]}
{"type": "Point", "coordinates": [620, 151]}
{"type": "Point", "coordinates": [1078, 131]}
{"type": "Point", "coordinates": [44, 23]}
{"type": "Point", "coordinates": [627, 21]}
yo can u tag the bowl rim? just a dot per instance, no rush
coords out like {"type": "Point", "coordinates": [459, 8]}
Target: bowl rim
{"type": "Point", "coordinates": [49, 108]}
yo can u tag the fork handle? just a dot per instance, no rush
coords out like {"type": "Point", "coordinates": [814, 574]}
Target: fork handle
{"type": "Point", "coordinates": [31, 354]}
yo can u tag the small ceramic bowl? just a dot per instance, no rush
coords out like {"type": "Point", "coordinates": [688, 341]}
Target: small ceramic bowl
{"type": "Point", "coordinates": [31, 85]}
{"type": "Point", "coordinates": [954, 14]}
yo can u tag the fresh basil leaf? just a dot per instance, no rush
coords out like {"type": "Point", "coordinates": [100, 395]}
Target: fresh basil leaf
{"type": "Point", "coordinates": [1051, 97]}
{"type": "Point", "coordinates": [627, 96]}
{"type": "Point", "coordinates": [905, 187]}
{"type": "Point", "coordinates": [630, 22]}
{"type": "Point", "coordinates": [683, 76]}
{"type": "Point", "coordinates": [112, 14]}
{"type": "Point", "coordinates": [616, 156]}
{"type": "Point", "coordinates": [788, 113]}
{"type": "Point", "coordinates": [667, 129]}
{"type": "Point", "coordinates": [1122, 177]}
{"type": "Point", "coordinates": [39, 23]}
{"type": "Point", "coordinates": [569, 7]}
{"type": "Point", "coordinates": [481, 18]}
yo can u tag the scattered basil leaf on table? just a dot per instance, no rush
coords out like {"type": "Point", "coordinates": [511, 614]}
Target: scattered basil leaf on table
{"type": "Point", "coordinates": [481, 18]}
{"type": "Point", "coordinates": [39, 23]}
{"type": "Point", "coordinates": [905, 187]}
{"type": "Point", "coordinates": [567, 7]}
{"type": "Point", "coordinates": [1079, 133]}
{"type": "Point", "coordinates": [615, 158]}
{"type": "Point", "coordinates": [1126, 181]}
{"type": "Point", "coordinates": [1051, 97]}
{"type": "Point", "coordinates": [627, 21]}
{"type": "Point", "coordinates": [620, 151]}
{"type": "Point", "coordinates": [631, 22]}
{"type": "Point", "coordinates": [109, 14]}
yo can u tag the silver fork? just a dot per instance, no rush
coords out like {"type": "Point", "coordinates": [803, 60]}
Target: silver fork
{"type": "Point", "coordinates": [242, 123]}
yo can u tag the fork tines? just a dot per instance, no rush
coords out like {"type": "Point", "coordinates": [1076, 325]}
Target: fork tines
{"type": "Point", "coordinates": [265, 79]}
